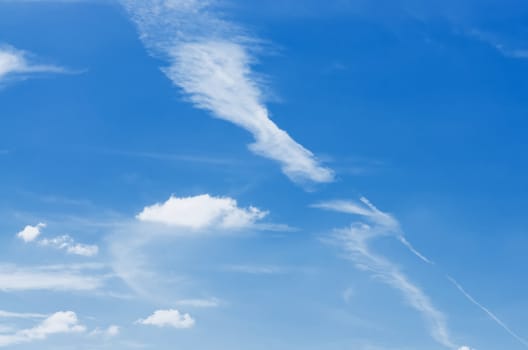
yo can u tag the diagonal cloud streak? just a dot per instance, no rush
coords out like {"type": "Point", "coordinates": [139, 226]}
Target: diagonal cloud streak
{"type": "Point", "coordinates": [210, 61]}
{"type": "Point", "coordinates": [368, 210]}
{"type": "Point", "coordinates": [355, 240]}
{"type": "Point", "coordinates": [488, 312]}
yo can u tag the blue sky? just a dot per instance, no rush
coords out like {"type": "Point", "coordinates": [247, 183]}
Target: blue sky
{"type": "Point", "coordinates": [263, 175]}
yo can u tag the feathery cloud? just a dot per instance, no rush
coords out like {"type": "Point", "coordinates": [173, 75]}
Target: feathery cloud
{"type": "Point", "coordinates": [168, 318]}
{"type": "Point", "coordinates": [14, 278]}
{"type": "Point", "coordinates": [9, 314]}
{"type": "Point", "coordinates": [16, 62]}
{"type": "Point", "coordinates": [210, 59]}
{"type": "Point", "coordinates": [201, 212]}
{"type": "Point", "coordinates": [375, 216]}
{"type": "Point", "coordinates": [59, 322]}
{"type": "Point", "coordinates": [355, 240]}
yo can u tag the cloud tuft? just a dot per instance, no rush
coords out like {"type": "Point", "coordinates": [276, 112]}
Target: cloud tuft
{"type": "Point", "coordinates": [30, 233]}
{"type": "Point", "coordinates": [201, 212]}
{"type": "Point", "coordinates": [168, 318]}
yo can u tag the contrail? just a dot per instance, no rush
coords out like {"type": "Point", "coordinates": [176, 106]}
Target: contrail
{"type": "Point", "coordinates": [488, 312]}
{"type": "Point", "coordinates": [409, 246]}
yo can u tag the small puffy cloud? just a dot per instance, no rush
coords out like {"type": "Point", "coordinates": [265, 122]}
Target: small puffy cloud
{"type": "Point", "coordinates": [30, 233]}
{"type": "Point", "coordinates": [465, 348]}
{"type": "Point", "coordinates": [168, 318]}
{"type": "Point", "coordinates": [13, 61]}
{"type": "Point", "coordinates": [59, 322]}
{"type": "Point", "coordinates": [201, 212]}
{"type": "Point", "coordinates": [67, 243]}
{"type": "Point", "coordinates": [111, 331]}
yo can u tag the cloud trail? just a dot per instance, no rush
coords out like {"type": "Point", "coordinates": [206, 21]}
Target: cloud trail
{"type": "Point", "coordinates": [366, 209]}
{"type": "Point", "coordinates": [355, 239]}
{"type": "Point", "coordinates": [488, 312]}
{"type": "Point", "coordinates": [16, 62]}
{"type": "Point", "coordinates": [210, 60]}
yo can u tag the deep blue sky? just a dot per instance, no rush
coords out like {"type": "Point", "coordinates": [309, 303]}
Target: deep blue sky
{"type": "Point", "coordinates": [421, 108]}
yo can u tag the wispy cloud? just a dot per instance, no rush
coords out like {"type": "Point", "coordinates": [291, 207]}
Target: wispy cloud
{"type": "Point", "coordinates": [367, 210]}
{"type": "Point", "coordinates": [199, 303]}
{"type": "Point", "coordinates": [211, 60]}
{"type": "Point", "coordinates": [174, 157]}
{"type": "Point", "coordinates": [59, 322]}
{"type": "Point", "coordinates": [355, 240]}
{"type": "Point", "coordinates": [14, 62]}
{"type": "Point", "coordinates": [9, 314]}
{"type": "Point", "coordinates": [16, 278]}
{"type": "Point", "coordinates": [67, 243]}
{"type": "Point", "coordinates": [507, 47]}
{"type": "Point", "coordinates": [255, 269]}
{"type": "Point", "coordinates": [488, 312]}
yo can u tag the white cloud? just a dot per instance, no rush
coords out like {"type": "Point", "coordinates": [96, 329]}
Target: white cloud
{"type": "Point", "coordinates": [67, 243]}
{"type": "Point", "coordinates": [375, 216]}
{"type": "Point", "coordinates": [201, 212]}
{"type": "Point", "coordinates": [210, 60]}
{"type": "Point", "coordinates": [488, 312]}
{"type": "Point", "coordinates": [9, 314]}
{"type": "Point", "coordinates": [465, 348]}
{"type": "Point", "coordinates": [30, 233]}
{"type": "Point", "coordinates": [14, 278]}
{"type": "Point", "coordinates": [355, 240]}
{"type": "Point", "coordinates": [64, 242]}
{"type": "Point", "coordinates": [60, 322]}
{"type": "Point", "coordinates": [168, 318]}
{"type": "Point", "coordinates": [199, 303]}
{"type": "Point", "coordinates": [111, 331]}
{"type": "Point", "coordinates": [16, 62]}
